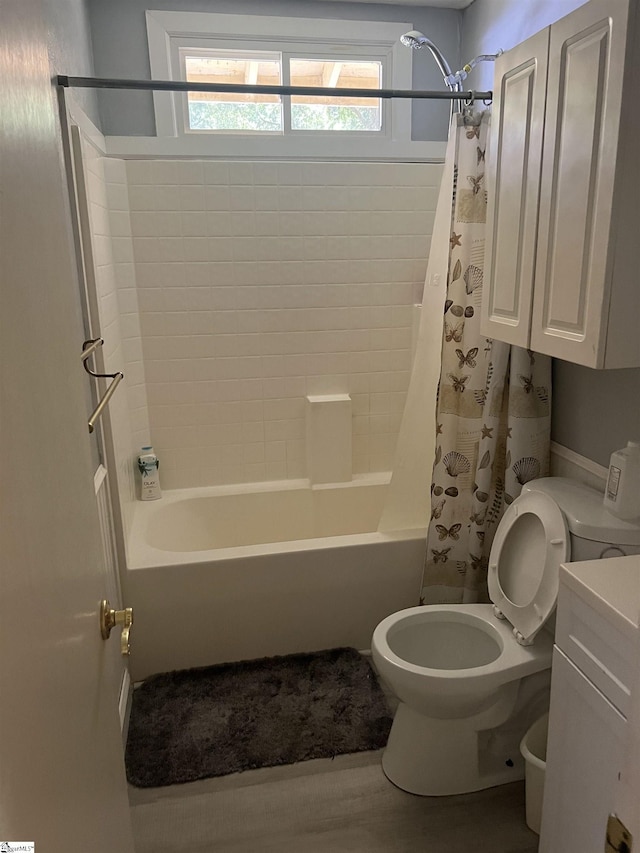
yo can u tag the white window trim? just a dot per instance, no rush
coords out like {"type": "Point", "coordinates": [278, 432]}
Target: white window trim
{"type": "Point", "coordinates": [162, 27]}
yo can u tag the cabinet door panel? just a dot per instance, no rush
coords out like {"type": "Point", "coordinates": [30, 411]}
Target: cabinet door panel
{"type": "Point", "coordinates": [515, 151]}
{"type": "Point", "coordinates": [585, 754]}
{"type": "Point", "coordinates": [586, 58]}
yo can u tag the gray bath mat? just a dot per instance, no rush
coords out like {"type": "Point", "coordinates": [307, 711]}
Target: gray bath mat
{"type": "Point", "coordinates": [196, 723]}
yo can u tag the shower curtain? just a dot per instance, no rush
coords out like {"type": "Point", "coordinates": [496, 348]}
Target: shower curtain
{"type": "Point", "coordinates": [493, 404]}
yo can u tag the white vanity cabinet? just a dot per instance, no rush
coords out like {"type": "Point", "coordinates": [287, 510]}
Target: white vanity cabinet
{"type": "Point", "coordinates": [562, 275]}
{"type": "Point", "coordinates": [593, 674]}
{"type": "Point", "coordinates": [588, 735]}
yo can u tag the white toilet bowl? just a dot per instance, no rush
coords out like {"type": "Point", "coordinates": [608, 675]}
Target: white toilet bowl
{"type": "Point", "coordinates": [466, 674]}
{"type": "Point", "coordinates": [457, 671]}
{"type": "Point", "coordinates": [450, 663]}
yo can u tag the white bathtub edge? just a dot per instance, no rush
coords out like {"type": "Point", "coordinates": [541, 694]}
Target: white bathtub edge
{"type": "Point", "coordinates": [143, 556]}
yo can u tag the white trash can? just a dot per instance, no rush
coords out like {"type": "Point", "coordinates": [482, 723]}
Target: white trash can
{"type": "Point", "coordinates": [533, 748]}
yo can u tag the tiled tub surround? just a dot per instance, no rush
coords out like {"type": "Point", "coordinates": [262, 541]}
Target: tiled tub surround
{"type": "Point", "coordinates": [110, 270]}
{"type": "Point", "coordinates": [244, 571]}
{"type": "Point", "coordinates": [127, 295]}
{"type": "Point", "coordinates": [259, 283]}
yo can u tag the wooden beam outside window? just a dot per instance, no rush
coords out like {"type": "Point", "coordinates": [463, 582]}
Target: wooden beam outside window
{"type": "Point", "coordinates": [331, 74]}
{"type": "Point", "coordinates": [251, 73]}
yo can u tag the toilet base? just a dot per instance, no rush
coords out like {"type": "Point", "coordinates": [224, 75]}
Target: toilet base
{"type": "Point", "coordinates": [434, 758]}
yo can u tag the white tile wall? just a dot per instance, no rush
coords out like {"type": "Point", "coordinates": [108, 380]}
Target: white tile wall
{"type": "Point", "coordinates": [127, 296]}
{"type": "Point", "coordinates": [111, 260]}
{"type": "Point", "coordinates": [261, 282]}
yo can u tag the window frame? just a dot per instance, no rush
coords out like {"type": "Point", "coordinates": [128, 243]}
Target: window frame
{"type": "Point", "coordinates": [346, 56]}
{"type": "Point", "coordinates": [181, 105]}
{"type": "Point", "coordinates": [295, 38]}
{"type": "Point", "coordinates": [292, 52]}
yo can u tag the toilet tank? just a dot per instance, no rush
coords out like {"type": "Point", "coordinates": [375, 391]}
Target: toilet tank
{"type": "Point", "coordinates": [595, 532]}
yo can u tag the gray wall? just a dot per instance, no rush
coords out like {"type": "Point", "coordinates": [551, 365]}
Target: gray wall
{"type": "Point", "coordinates": [120, 50]}
{"type": "Point", "coordinates": [69, 44]}
{"type": "Point", "coordinates": [490, 24]}
{"type": "Point", "coordinates": [594, 411]}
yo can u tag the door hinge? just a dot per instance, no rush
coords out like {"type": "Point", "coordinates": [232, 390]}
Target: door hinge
{"type": "Point", "coordinates": [619, 839]}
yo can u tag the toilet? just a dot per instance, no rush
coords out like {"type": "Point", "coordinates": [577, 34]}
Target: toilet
{"type": "Point", "coordinates": [471, 678]}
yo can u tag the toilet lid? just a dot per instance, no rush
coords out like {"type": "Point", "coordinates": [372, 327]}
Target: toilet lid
{"type": "Point", "coordinates": [531, 542]}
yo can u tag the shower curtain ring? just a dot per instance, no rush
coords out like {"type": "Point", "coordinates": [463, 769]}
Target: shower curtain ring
{"type": "Point", "coordinates": [469, 102]}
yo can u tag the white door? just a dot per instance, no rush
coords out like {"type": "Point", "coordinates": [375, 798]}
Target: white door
{"type": "Point", "coordinates": [514, 160]}
{"type": "Point", "coordinates": [62, 780]}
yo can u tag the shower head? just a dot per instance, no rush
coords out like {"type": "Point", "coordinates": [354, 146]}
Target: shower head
{"type": "Point", "coordinates": [414, 39]}
{"type": "Point", "coordinates": [417, 40]}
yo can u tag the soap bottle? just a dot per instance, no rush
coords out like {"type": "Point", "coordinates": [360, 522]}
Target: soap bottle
{"type": "Point", "coordinates": [148, 465]}
{"type": "Point", "coordinates": [622, 492]}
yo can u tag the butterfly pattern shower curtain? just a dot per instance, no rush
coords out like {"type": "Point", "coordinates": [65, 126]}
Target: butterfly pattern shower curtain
{"type": "Point", "coordinates": [493, 409]}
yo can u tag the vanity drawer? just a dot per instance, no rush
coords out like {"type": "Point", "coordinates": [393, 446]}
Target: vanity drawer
{"type": "Point", "coordinates": [601, 651]}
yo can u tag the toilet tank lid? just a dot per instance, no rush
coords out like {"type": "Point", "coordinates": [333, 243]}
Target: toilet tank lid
{"type": "Point", "coordinates": [584, 511]}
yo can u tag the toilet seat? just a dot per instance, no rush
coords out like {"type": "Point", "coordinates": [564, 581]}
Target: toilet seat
{"type": "Point", "coordinates": [531, 542]}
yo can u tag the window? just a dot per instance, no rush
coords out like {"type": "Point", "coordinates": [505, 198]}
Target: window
{"type": "Point", "coordinates": [260, 50]}
{"type": "Point", "coordinates": [221, 111]}
{"type": "Point", "coordinates": [213, 111]}
{"type": "Point", "coordinates": [331, 112]}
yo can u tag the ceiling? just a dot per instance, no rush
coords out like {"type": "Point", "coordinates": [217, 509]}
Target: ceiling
{"type": "Point", "coordinates": [442, 4]}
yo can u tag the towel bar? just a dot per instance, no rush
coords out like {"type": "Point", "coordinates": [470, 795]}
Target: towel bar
{"type": "Point", "coordinates": [108, 394]}
{"type": "Point", "coordinates": [88, 349]}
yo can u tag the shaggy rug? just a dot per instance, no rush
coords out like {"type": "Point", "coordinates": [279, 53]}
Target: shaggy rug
{"type": "Point", "coordinates": [211, 721]}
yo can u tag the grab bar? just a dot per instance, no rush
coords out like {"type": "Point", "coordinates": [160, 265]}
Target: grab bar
{"type": "Point", "coordinates": [88, 349]}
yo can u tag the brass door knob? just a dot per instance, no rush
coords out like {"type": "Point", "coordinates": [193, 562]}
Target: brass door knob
{"type": "Point", "coordinates": [109, 618]}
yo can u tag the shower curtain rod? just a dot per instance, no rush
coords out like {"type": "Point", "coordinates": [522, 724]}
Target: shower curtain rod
{"type": "Point", "coordinates": [182, 86]}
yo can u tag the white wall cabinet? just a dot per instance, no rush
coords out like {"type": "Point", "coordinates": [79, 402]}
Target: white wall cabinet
{"type": "Point", "coordinates": [563, 263]}
{"type": "Point", "coordinates": [515, 158]}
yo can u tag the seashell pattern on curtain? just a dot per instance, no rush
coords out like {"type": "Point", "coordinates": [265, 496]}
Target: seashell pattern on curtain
{"type": "Point", "coordinates": [493, 409]}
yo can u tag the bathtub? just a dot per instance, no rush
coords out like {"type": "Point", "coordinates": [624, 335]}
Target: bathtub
{"type": "Point", "coordinates": [238, 572]}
